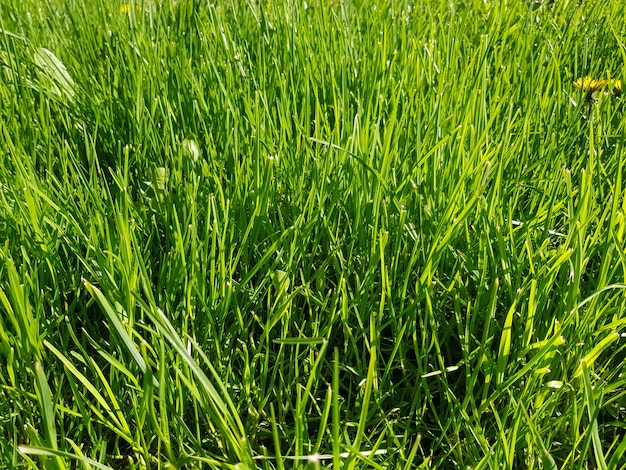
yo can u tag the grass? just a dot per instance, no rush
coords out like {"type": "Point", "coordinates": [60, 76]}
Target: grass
{"type": "Point", "coordinates": [365, 234]}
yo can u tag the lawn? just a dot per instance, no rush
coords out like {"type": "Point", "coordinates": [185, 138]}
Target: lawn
{"type": "Point", "coordinates": [312, 234]}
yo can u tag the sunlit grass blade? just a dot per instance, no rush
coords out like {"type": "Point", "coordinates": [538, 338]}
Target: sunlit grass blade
{"type": "Point", "coordinates": [49, 424]}
{"type": "Point", "coordinates": [592, 411]}
{"type": "Point", "coordinates": [89, 463]}
{"type": "Point", "coordinates": [118, 327]}
{"type": "Point", "coordinates": [595, 352]}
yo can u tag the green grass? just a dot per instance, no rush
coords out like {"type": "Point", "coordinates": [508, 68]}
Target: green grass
{"type": "Point", "coordinates": [323, 234]}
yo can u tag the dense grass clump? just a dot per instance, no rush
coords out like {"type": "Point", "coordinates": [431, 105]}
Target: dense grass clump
{"type": "Point", "coordinates": [322, 234]}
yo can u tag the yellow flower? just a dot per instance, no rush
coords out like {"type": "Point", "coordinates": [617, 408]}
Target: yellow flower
{"type": "Point", "coordinates": [126, 9]}
{"type": "Point", "coordinates": [591, 85]}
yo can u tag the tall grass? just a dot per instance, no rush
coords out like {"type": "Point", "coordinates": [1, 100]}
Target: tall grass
{"type": "Point", "coordinates": [324, 234]}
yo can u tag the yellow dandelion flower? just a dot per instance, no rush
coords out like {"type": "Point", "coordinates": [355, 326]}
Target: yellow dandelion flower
{"type": "Point", "coordinates": [591, 85]}
{"type": "Point", "coordinates": [126, 9]}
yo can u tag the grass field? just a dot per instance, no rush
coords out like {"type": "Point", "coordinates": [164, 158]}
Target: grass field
{"type": "Point", "coordinates": [324, 234]}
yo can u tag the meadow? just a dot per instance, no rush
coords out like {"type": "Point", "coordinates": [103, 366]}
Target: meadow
{"type": "Point", "coordinates": [312, 234]}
